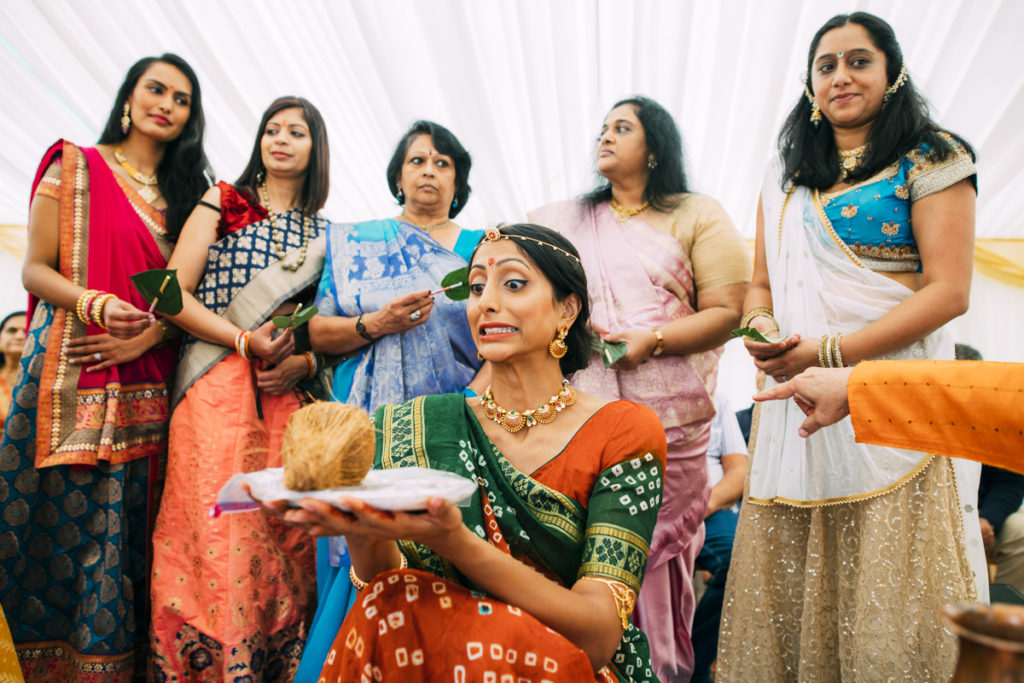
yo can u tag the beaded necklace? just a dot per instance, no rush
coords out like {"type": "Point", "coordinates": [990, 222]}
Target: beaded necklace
{"type": "Point", "coordinates": [277, 236]}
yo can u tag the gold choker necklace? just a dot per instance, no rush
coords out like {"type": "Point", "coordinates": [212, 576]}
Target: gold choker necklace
{"type": "Point", "coordinates": [513, 421]}
{"type": "Point", "coordinates": [424, 228]}
{"type": "Point", "coordinates": [148, 181]}
{"type": "Point", "coordinates": [277, 236]}
{"type": "Point", "coordinates": [849, 160]}
{"type": "Point", "coordinates": [622, 214]}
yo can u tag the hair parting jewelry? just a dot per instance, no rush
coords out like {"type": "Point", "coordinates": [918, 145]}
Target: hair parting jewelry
{"type": "Point", "coordinates": [896, 85]}
{"type": "Point", "coordinates": [126, 118]}
{"type": "Point", "coordinates": [558, 348]}
{"type": "Point", "coordinates": [359, 584]}
{"type": "Point", "coordinates": [277, 236]}
{"type": "Point", "coordinates": [513, 421]}
{"type": "Point", "coordinates": [622, 214]}
{"type": "Point", "coordinates": [815, 109]}
{"type": "Point", "coordinates": [493, 234]}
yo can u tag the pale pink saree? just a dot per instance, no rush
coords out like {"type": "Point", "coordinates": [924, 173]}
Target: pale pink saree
{"type": "Point", "coordinates": [641, 277]}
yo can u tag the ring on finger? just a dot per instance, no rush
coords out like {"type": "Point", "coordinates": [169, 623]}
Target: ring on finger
{"type": "Point", "coordinates": [415, 315]}
{"type": "Point", "coordinates": [97, 356]}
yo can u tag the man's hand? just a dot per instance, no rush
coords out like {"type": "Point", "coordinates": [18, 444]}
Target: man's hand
{"type": "Point", "coordinates": [820, 393]}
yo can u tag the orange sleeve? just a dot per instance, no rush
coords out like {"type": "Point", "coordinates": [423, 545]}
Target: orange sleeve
{"type": "Point", "coordinates": [967, 409]}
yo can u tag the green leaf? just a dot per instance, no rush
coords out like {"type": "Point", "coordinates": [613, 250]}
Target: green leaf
{"type": "Point", "coordinates": [458, 281]}
{"type": "Point", "coordinates": [751, 333]}
{"type": "Point", "coordinates": [160, 284]}
{"type": "Point", "coordinates": [610, 352]}
{"type": "Point", "coordinates": [299, 317]}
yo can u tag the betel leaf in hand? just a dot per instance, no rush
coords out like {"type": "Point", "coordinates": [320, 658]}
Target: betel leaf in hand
{"type": "Point", "coordinates": [751, 333]}
{"type": "Point", "coordinates": [161, 289]}
{"type": "Point", "coordinates": [299, 317]}
{"type": "Point", "coordinates": [455, 284]}
{"type": "Point", "coordinates": [610, 352]}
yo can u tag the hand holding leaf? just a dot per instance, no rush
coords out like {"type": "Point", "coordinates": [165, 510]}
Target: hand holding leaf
{"type": "Point", "coordinates": [298, 317]}
{"type": "Point", "coordinates": [455, 285]}
{"type": "Point", "coordinates": [160, 287]}
{"type": "Point", "coordinates": [751, 333]}
{"type": "Point", "coordinates": [610, 352]}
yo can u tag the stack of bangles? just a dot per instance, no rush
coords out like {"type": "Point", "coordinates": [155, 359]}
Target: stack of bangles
{"type": "Point", "coordinates": [314, 364]}
{"type": "Point", "coordinates": [829, 355]}
{"type": "Point", "coordinates": [359, 584]}
{"type": "Point", "coordinates": [757, 312]}
{"type": "Point", "coordinates": [242, 344]}
{"type": "Point", "coordinates": [90, 304]}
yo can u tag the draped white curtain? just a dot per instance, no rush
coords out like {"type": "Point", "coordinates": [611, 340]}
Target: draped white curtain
{"type": "Point", "coordinates": [523, 83]}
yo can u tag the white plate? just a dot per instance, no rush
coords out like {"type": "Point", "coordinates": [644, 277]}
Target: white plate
{"type": "Point", "coordinates": [404, 488]}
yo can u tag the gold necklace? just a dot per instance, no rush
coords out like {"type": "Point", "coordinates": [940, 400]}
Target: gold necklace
{"type": "Point", "coordinates": [424, 228]}
{"type": "Point", "coordinates": [148, 181]}
{"type": "Point", "coordinates": [277, 236]}
{"type": "Point", "coordinates": [622, 214]}
{"type": "Point", "coordinates": [513, 421]}
{"type": "Point", "coordinates": [849, 160]}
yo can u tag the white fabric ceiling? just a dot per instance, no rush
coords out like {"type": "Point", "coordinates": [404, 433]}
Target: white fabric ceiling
{"type": "Point", "coordinates": [524, 84]}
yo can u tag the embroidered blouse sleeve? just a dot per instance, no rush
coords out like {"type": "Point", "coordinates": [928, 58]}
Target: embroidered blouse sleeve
{"type": "Point", "coordinates": [624, 503]}
{"type": "Point", "coordinates": [928, 175]}
{"type": "Point", "coordinates": [49, 184]}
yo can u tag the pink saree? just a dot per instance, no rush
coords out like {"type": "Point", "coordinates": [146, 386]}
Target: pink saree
{"type": "Point", "coordinates": [641, 277]}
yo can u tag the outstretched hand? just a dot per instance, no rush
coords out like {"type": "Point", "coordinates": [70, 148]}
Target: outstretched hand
{"type": "Point", "coordinates": [820, 393]}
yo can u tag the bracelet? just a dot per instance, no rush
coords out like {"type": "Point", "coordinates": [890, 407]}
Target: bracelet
{"type": "Point", "coordinates": [311, 359]}
{"type": "Point", "coordinates": [361, 329]}
{"type": "Point", "coordinates": [97, 306]}
{"type": "Point", "coordinates": [823, 360]}
{"type": "Point", "coordinates": [837, 355]}
{"type": "Point", "coordinates": [84, 303]}
{"type": "Point", "coordinates": [755, 312]}
{"type": "Point", "coordinates": [242, 344]}
{"type": "Point", "coordinates": [660, 346]}
{"type": "Point", "coordinates": [359, 584]}
{"type": "Point", "coordinates": [624, 596]}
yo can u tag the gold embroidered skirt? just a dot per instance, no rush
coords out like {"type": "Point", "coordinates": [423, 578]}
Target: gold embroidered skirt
{"type": "Point", "coordinates": [847, 592]}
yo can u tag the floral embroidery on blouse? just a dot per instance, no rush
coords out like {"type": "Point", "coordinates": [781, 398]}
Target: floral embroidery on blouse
{"type": "Point", "coordinates": [849, 211]}
{"type": "Point", "coordinates": [890, 229]}
{"type": "Point", "coordinates": [902, 192]}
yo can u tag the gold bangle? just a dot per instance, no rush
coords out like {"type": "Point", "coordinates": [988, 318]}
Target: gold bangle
{"type": "Point", "coordinates": [624, 596]}
{"type": "Point", "coordinates": [359, 584]}
{"type": "Point", "coordinates": [85, 300]}
{"type": "Point", "coordinates": [837, 354]}
{"type": "Point", "coordinates": [755, 312]}
{"type": "Point", "coordinates": [823, 360]}
{"type": "Point", "coordinates": [660, 346]}
{"type": "Point", "coordinates": [97, 307]}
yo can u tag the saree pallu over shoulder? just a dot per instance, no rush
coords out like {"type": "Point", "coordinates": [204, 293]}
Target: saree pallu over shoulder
{"type": "Point", "coordinates": [545, 528]}
{"type": "Point", "coordinates": [106, 234]}
{"type": "Point", "coordinates": [821, 288]}
{"type": "Point", "coordinates": [638, 276]}
{"type": "Point", "coordinates": [244, 283]}
{"type": "Point", "coordinates": [370, 263]}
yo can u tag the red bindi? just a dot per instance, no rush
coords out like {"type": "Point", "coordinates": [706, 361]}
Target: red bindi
{"type": "Point", "coordinates": [490, 261]}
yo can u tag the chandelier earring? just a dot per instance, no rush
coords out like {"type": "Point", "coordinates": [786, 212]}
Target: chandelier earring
{"type": "Point", "coordinates": [896, 85]}
{"type": "Point", "coordinates": [558, 348]}
{"type": "Point", "coordinates": [126, 118]}
{"type": "Point", "coordinates": [652, 163]}
{"type": "Point", "coordinates": [815, 109]}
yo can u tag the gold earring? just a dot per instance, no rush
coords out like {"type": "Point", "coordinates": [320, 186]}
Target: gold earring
{"type": "Point", "coordinates": [558, 348]}
{"type": "Point", "coordinates": [815, 109]}
{"type": "Point", "coordinates": [126, 119]}
{"type": "Point", "coordinates": [652, 163]}
{"type": "Point", "coordinates": [479, 356]}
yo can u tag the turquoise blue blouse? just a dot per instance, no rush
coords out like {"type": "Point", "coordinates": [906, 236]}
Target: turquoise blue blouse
{"type": "Point", "coordinates": [873, 217]}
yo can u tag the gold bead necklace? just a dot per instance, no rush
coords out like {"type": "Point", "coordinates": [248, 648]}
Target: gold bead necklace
{"type": "Point", "coordinates": [513, 421]}
{"type": "Point", "coordinates": [849, 160]}
{"type": "Point", "coordinates": [622, 214]}
{"type": "Point", "coordinates": [277, 236]}
{"type": "Point", "coordinates": [424, 228]}
{"type": "Point", "coordinates": [148, 181]}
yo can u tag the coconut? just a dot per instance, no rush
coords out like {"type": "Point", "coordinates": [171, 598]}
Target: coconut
{"type": "Point", "coordinates": [326, 445]}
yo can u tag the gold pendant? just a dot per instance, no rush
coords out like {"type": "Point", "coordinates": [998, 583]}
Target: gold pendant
{"type": "Point", "coordinates": [147, 193]}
